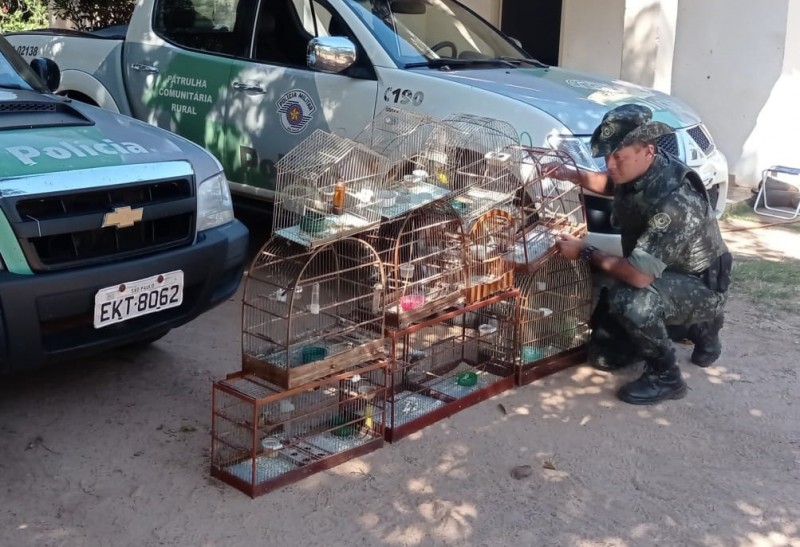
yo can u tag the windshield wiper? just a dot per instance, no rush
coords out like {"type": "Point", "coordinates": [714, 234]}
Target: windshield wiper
{"type": "Point", "coordinates": [11, 86]}
{"type": "Point", "coordinates": [447, 63]}
{"type": "Point", "coordinates": [527, 60]}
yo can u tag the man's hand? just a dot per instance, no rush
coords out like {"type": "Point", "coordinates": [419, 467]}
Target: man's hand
{"type": "Point", "coordinates": [569, 246]}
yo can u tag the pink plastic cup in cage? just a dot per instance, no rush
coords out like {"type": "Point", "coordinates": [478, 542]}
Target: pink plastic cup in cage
{"type": "Point", "coordinates": [411, 301]}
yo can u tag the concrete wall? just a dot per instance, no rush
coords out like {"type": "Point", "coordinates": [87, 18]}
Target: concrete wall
{"type": "Point", "coordinates": [488, 9]}
{"type": "Point", "coordinates": [737, 62]}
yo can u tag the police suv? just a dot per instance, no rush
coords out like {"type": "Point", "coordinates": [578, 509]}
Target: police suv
{"type": "Point", "coordinates": [250, 79]}
{"type": "Point", "coordinates": [112, 231]}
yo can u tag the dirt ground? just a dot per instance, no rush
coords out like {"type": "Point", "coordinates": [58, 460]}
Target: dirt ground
{"type": "Point", "coordinates": [115, 451]}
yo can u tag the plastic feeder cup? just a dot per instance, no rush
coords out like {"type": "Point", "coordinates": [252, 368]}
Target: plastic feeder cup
{"type": "Point", "coordinates": [467, 379]}
{"type": "Point", "coordinates": [312, 222]}
{"type": "Point", "coordinates": [346, 430]}
{"type": "Point", "coordinates": [531, 354]}
{"type": "Point", "coordinates": [313, 353]}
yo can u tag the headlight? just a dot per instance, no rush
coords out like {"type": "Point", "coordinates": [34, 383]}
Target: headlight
{"type": "Point", "coordinates": [578, 149]}
{"type": "Point", "coordinates": [214, 204]}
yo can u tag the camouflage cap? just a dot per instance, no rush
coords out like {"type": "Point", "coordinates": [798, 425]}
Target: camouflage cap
{"type": "Point", "coordinates": [625, 125]}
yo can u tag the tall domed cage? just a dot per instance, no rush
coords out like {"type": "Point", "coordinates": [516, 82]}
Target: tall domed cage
{"type": "Point", "coordinates": [444, 364]}
{"type": "Point", "coordinates": [328, 187]}
{"type": "Point", "coordinates": [475, 167]}
{"type": "Point", "coordinates": [555, 307]}
{"type": "Point", "coordinates": [401, 136]}
{"type": "Point", "coordinates": [264, 437]}
{"type": "Point", "coordinates": [491, 238]}
{"type": "Point", "coordinates": [310, 313]}
{"type": "Point", "coordinates": [547, 205]}
{"type": "Point", "coordinates": [424, 253]}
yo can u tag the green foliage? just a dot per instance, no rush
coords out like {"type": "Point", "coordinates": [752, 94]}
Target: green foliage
{"type": "Point", "coordinates": [93, 14]}
{"type": "Point", "coordinates": [16, 15]}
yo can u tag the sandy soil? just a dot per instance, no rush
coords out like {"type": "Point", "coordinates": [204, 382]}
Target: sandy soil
{"type": "Point", "coordinates": [115, 451]}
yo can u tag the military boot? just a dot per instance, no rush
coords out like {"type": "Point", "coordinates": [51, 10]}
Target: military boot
{"type": "Point", "coordinates": [707, 347]}
{"type": "Point", "coordinates": [661, 380]}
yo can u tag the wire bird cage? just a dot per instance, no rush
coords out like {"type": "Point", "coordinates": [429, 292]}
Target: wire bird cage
{"type": "Point", "coordinates": [310, 313]}
{"type": "Point", "coordinates": [425, 260]}
{"type": "Point", "coordinates": [400, 136]}
{"type": "Point", "coordinates": [440, 366]}
{"type": "Point", "coordinates": [555, 306]}
{"type": "Point", "coordinates": [491, 238]}
{"type": "Point", "coordinates": [547, 206]}
{"type": "Point", "coordinates": [264, 438]}
{"type": "Point", "coordinates": [328, 187]}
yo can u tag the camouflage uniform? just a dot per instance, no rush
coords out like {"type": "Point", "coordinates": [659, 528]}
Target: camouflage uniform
{"type": "Point", "coordinates": [669, 231]}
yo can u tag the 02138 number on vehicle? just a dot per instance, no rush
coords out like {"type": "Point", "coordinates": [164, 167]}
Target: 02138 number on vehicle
{"type": "Point", "coordinates": [136, 298]}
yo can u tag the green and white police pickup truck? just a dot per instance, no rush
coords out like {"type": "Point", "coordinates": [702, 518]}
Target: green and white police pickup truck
{"type": "Point", "coordinates": [249, 79]}
{"type": "Point", "coordinates": [112, 231]}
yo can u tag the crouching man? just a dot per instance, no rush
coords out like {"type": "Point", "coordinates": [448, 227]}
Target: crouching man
{"type": "Point", "coordinates": [675, 268]}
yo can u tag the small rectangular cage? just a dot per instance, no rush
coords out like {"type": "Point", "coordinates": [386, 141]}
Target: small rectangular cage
{"type": "Point", "coordinates": [445, 364]}
{"type": "Point", "coordinates": [311, 313]}
{"type": "Point", "coordinates": [555, 307]}
{"type": "Point", "coordinates": [547, 205]}
{"type": "Point", "coordinates": [265, 438]}
{"type": "Point", "coordinates": [491, 239]}
{"type": "Point", "coordinates": [424, 256]}
{"type": "Point", "coordinates": [328, 187]}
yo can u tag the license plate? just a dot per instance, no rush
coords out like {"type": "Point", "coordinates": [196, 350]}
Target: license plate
{"type": "Point", "coordinates": [136, 298]}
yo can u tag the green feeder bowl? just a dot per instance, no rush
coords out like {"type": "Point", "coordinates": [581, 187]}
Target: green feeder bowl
{"type": "Point", "coordinates": [531, 354]}
{"type": "Point", "coordinates": [467, 379]}
{"type": "Point", "coordinates": [313, 353]}
{"type": "Point", "coordinates": [346, 430]}
{"type": "Point", "coordinates": [312, 222]}
{"type": "Point", "coordinates": [460, 207]}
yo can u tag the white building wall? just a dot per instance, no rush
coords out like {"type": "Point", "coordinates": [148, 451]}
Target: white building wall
{"type": "Point", "coordinates": [737, 62]}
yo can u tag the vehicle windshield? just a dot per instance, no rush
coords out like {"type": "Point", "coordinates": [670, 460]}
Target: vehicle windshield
{"type": "Point", "coordinates": [417, 32]}
{"type": "Point", "coordinates": [15, 72]}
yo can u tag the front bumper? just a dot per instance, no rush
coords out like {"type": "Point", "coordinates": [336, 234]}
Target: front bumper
{"type": "Point", "coordinates": [49, 317]}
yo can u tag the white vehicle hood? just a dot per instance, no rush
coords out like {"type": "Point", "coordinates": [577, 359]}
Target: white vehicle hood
{"type": "Point", "coordinates": [576, 99]}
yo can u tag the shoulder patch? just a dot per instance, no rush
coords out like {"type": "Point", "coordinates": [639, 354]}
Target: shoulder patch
{"type": "Point", "coordinates": [660, 221]}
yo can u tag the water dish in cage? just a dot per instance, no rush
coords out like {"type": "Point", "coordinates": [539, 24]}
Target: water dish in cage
{"type": "Point", "coordinates": [467, 379]}
{"type": "Point", "coordinates": [411, 301]}
{"type": "Point", "coordinates": [487, 329]}
{"type": "Point", "coordinates": [530, 354]}
{"type": "Point", "coordinates": [312, 222]}
{"type": "Point", "coordinates": [311, 354]}
{"type": "Point", "coordinates": [271, 446]}
{"type": "Point", "coordinates": [386, 198]}
{"type": "Point", "coordinates": [346, 429]}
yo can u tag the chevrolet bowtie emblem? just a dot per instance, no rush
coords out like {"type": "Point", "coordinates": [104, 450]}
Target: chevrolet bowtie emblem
{"type": "Point", "coordinates": [122, 217]}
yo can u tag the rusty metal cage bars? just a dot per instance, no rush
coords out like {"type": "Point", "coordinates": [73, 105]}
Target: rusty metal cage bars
{"type": "Point", "coordinates": [440, 366]}
{"type": "Point", "coordinates": [555, 307]}
{"type": "Point", "coordinates": [310, 313]}
{"type": "Point", "coordinates": [424, 254]}
{"type": "Point", "coordinates": [547, 205]}
{"type": "Point", "coordinates": [264, 437]}
{"type": "Point", "coordinates": [327, 187]}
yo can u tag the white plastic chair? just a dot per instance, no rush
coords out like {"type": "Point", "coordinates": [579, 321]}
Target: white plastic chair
{"type": "Point", "coordinates": [775, 211]}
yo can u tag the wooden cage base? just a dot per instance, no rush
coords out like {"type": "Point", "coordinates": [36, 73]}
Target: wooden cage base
{"type": "Point", "coordinates": [530, 372]}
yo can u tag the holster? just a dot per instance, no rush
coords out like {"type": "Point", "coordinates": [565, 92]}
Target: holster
{"type": "Point", "coordinates": [718, 275]}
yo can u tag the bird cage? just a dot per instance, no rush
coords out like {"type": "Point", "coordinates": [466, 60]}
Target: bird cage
{"type": "Point", "coordinates": [441, 365]}
{"type": "Point", "coordinates": [555, 306]}
{"type": "Point", "coordinates": [400, 136]}
{"type": "Point", "coordinates": [425, 260]}
{"type": "Point", "coordinates": [491, 238]}
{"type": "Point", "coordinates": [328, 187]}
{"type": "Point", "coordinates": [475, 165]}
{"type": "Point", "coordinates": [547, 205]}
{"type": "Point", "coordinates": [264, 437]}
{"type": "Point", "coordinates": [308, 313]}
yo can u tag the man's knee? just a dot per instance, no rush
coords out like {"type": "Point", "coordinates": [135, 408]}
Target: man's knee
{"type": "Point", "coordinates": [633, 306]}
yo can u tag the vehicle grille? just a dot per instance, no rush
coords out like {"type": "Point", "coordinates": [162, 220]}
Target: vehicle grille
{"type": "Point", "coordinates": [65, 231]}
{"type": "Point", "coordinates": [669, 143]}
{"type": "Point", "coordinates": [27, 107]}
{"type": "Point", "coordinates": [699, 136]}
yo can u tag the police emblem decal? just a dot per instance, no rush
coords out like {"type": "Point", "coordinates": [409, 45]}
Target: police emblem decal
{"type": "Point", "coordinates": [660, 221]}
{"type": "Point", "coordinates": [296, 109]}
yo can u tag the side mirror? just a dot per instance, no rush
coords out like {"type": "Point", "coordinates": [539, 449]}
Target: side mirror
{"type": "Point", "coordinates": [48, 72]}
{"type": "Point", "coordinates": [331, 54]}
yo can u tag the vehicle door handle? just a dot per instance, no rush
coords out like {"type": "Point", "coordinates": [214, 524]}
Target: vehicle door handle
{"type": "Point", "coordinates": [144, 68]}
{"type": "Point", "coordinates": [254, 88]}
